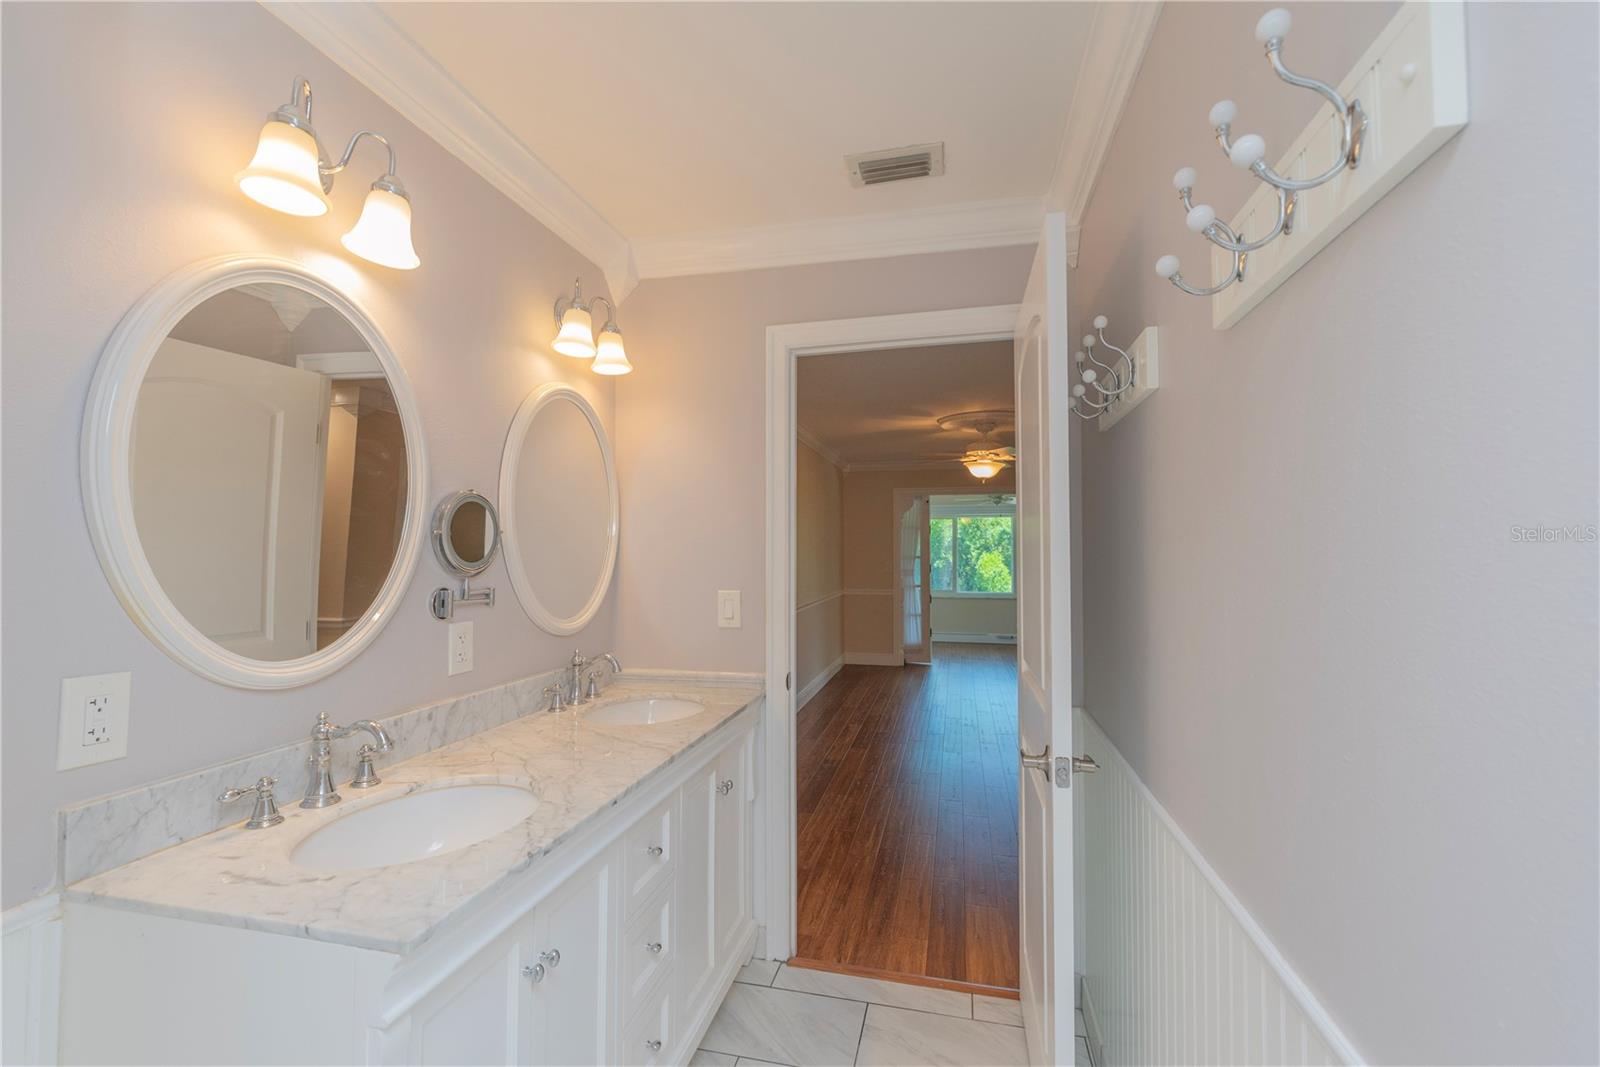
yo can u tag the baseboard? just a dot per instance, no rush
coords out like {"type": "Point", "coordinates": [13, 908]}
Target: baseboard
{"type": "Point", "coordinates": [974, 639]}
{"type": "Point", "coordinates": [814, 686]}
{"type": "Point", "coordinates": [30, 948]}
{"type": "Point", "coordinates": [875, 659]}
{"type": "Point", "coordinates": [1179, 971]}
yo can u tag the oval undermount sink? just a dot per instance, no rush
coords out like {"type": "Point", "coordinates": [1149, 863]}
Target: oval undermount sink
{"type": "Point", "coordinates": [649, 712]}
{"type": "Point", "coordinates": [415, 826]}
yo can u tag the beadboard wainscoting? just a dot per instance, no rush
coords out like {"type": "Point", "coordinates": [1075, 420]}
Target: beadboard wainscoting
{"type": "Point", "coordinates": [30, 986]}
{"type": "Point", "coordinates": [1175, 969]}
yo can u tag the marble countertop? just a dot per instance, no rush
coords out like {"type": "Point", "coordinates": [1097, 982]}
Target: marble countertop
{"type": "Point", "coordinates": [577, 769]}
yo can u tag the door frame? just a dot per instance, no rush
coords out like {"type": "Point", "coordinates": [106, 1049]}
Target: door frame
{"type": "Point", "coordinates": [777, 887]}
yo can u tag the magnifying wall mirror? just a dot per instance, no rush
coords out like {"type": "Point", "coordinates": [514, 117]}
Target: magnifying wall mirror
{"type": "Point", "coordinates": [466, 538]}
{"type": "Point", "coordinates": [253, 472]}
{"type": "Point", "coordinates": [558, 495]}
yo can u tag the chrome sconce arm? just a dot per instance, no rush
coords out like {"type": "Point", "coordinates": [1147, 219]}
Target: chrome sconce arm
{"type": "Point", "coordinates": [1248, 152]}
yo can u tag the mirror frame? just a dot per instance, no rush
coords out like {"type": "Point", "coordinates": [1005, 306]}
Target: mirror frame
{"type": "Point", "coordinates": [449, 558]}
{"type": "Point", "coordinates": [105, 463]}
{"type": "Point", "coordinates": [510, 459]}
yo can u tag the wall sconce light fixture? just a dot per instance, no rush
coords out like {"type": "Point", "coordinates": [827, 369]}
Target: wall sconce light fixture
{"type": "Point", "coordinates": [575, 333]}
{"type": "Point", "coordinates": [1248, 152]}
{"type": "Point", "coordinates": [292, 173]}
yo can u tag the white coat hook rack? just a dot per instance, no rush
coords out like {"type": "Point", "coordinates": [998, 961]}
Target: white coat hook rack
{"type": "Point", "coordinates": [1249, 152]}
{"type": "Point", "coordinates": [1107, 390]}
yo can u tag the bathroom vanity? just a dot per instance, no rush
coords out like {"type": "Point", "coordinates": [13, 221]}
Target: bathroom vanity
{"type": "Point", "coordinates": [599, 919]}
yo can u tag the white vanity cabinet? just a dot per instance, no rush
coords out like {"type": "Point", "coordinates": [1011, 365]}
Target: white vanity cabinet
{"type": "Point", "coordinates": [614, 948]}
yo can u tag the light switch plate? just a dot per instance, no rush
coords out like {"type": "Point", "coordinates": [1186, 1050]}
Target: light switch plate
{"type": "Point", "coordinates": [461, 655]}
{"type": "Point", "coordinates": [94, 719]}
{"type": "Point", "coordinates": [728, 609]}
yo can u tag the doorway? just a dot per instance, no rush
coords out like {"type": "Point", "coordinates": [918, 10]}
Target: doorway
{"type": "Point", "coordinates": [905, 818]}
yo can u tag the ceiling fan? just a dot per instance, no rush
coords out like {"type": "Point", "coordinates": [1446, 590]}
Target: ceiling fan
{"type": "Point", "coordinates": [987, 457]}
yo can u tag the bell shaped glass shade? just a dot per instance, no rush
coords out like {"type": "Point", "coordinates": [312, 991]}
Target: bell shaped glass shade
{"type": "Point", "coordinates": [284, 175]}
{"type": "Point", "coordinates": [983, 469]}
{"type": "Point", "coordinates": [382, 234]}
{"type": "Point", "coordinates": [576, 336]}
{"type": "Point", "coordinates": [611, 359]}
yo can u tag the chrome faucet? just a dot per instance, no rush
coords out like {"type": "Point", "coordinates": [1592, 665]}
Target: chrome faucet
{"type": "Point", "coordinates": [573, 683]}
{"type": "Point", "coordinates": [595, 668]}
{"type": "Point", "coordinates": [319, 785]}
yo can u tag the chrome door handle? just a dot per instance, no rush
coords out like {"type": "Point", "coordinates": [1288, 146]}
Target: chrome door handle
{"type": "Point", "coordinates": [1040, 763]}
{"type": "Point", "coordinates": [1084, 765]}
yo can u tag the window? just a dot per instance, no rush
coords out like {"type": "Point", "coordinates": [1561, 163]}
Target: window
{"type": "Point", "coordinates": [969, 548]}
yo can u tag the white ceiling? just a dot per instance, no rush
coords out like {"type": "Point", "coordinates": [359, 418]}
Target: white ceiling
{"type": "Point", "coordinates": [673, 118]}
{"type": "Point", "coordinates": [881, 408]}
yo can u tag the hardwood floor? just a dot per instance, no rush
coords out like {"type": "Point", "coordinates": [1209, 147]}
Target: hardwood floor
{"type": "Point", "coordinates": [908, 818]}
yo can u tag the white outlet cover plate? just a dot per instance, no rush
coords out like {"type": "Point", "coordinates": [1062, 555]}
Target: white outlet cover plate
{"type": "Point", "coordinates": [460, 632]}
{"type": "Point", "coordinates": [76, 693]}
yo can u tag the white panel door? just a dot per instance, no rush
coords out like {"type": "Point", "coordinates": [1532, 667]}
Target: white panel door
{"type": "Point", "coordinates": [227, 476]}
{"type": "Point", "coordinates": [480, 1013]}
{"type": "Point", "coordinates": [915, 596]}
{"type": "Point", "coordinates": [1044, 651]}
{"type": "Point", "coordinates": [730, 860]}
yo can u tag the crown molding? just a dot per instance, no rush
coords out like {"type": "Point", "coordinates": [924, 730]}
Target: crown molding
{"type": "Point", "coordinates": [364, 41]}
{"type": "Point", "coordinates": [900, 465]}
{"type": "Point", "coordinates": [1118, 38]}
{"type": "Point", "coordinates": [813, 442]}
{"type": "Point", "coordinates": [989, 224]}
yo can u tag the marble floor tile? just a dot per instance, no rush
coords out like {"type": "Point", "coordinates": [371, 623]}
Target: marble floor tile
{"type": "Point", "coordinates": [757, 972]}
{"type": "Point", "coordinates": [996, 1010]}
{"type": "Point", "coordinates": [744, 1062]}
{"type": "Point", "coordinates": [874, 991]}
{"type": "Point", "coordinates": [894, 1037]}
{"type": "Point", "coordinates": [706, 1058]}
{"type": "Point", "coordinates": [782, 1026]}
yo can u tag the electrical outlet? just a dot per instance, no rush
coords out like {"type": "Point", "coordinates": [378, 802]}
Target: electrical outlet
{"type": "Point", "coordinates": [94, 720]}
{"type": "Point", "coordinates": [460, 647]}
{"type": "Point", "coordinates": [728, 609]}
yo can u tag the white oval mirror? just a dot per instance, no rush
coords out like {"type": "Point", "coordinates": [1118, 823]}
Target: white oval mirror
{"type": "Point", "coordinates": [253, 472]}
{"type": "Point", "coordinates": [558, 507]}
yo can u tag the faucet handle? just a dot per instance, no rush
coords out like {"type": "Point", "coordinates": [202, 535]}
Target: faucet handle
{"type": "Point", "coordinates": [557, 697]}
{"type": "Point", "coordinates": [266, 811]}
{"type": "Point", "coordinates": [365, 777]}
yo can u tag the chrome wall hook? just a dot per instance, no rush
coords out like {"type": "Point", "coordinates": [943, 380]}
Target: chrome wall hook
{"type": "Point", "coordinates": [1100, 384]}
{"type": "Point", "coordinates": [1248, 152]}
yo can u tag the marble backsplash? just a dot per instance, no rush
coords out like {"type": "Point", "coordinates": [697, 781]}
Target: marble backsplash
{"type": "Point", "coordinates": [109, 831]}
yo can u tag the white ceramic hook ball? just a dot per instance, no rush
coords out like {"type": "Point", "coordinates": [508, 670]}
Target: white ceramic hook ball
{"type": "Point", "coordinates": [1200, 217]}
{"type": "Point", "coordinates": [1078, 356]}
{"type": "Point", "coordinates": [1247, 151]}
{"type": "Point", "coordinates": [1274, 24]}
{"type": "Point", "coordinates": [1078, 390]}
{"type": "Point", "coordinates": [1088, 340]}
{"type": "Point", "coordinates": [1183, 179]}
{"type": "Point", "coordinates": [1089, 375]}
{"type": "Point", "coordinates": [1167, 266]}
{"type": "Point", "coordinates": [1223, 112]}
{"type": "Point", "coordinates": [1100, 322]}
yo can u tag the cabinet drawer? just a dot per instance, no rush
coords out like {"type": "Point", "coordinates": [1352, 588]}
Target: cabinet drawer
{"type": "Point", "coordinates": [649, 1037]}
{"type": "Point", "coordinates": [647, 854]}
{"type": "Point", "coordinates": [647, 949]}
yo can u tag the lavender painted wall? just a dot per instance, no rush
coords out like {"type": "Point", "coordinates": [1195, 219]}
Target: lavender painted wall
{"type": "Point", "coordinates": [124, 125]}
{"type": "Point", "coordinates": [691, 443]}
{"type": "Point", "coordinates": [1310, 625]}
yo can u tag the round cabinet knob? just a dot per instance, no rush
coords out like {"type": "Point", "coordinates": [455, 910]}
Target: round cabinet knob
{"type": "Point", "coordinates": [653, 947]}
{"type": "Point", "coordinates": [550, 957]}
{"type": "Point", "coordinates": [654, 850]}
{"type": "Point", "coordinates": [653, 1046]}
{"type": "Point", "coordinates": [534, 973]}
{"type": "Point", "coordinates": [725, 786]}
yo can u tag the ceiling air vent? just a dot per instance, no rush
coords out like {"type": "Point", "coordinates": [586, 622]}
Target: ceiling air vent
{"type": "Point", "coordinates": [896, 164]}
